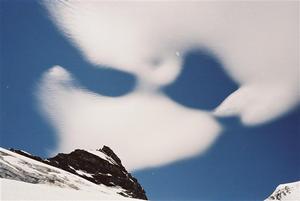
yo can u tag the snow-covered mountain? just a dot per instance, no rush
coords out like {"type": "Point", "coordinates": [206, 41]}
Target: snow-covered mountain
{"type": "Point", "coordinates": [82, 175]}
{"type": "Point", "coordinates": [286, 192]}
{"type": "Point", "coordinates": [79, 175]}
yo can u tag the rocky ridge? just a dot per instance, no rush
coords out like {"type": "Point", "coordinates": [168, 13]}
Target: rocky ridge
{"type": "Point", "coordinates": [101, 166]}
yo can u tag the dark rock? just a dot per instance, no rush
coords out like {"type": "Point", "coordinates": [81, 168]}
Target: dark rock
{"type": "Point", "coordinates": [111, 154]}
{"type": "Point", "coordinates": [23, 153]}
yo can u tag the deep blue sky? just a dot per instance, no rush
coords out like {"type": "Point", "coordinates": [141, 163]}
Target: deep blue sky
{"type": "Point", "coordinates": [245, 163]}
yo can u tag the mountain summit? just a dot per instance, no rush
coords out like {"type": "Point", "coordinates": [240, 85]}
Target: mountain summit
{"type": "Point", "coordinates": [286, 192]}
{"type": "Point", "coordinates": [79, 168]}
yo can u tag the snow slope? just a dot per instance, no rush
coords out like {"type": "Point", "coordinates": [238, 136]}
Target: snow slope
{"type": "Point", "coordinates": [25, 178]}
{"type": "Point", "coordinates": [17, 190]}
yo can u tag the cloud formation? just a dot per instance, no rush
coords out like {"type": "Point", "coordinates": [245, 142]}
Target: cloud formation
{"type": "Point", "coordinates": [257, 42]}
{"type": "Point", "coordinates": [144, 128]}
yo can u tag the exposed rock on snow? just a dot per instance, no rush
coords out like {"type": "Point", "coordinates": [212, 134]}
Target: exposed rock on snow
{"type": "Point", "coordinates": [288, 192]}
{"type": "Point", "coordinates": [100, 167]}
{"type": "Point", "coordinates": [78, 170]}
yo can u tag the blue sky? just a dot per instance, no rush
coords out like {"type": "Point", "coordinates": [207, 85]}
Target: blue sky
{"type": "Point", "coordinates": [245, 163]}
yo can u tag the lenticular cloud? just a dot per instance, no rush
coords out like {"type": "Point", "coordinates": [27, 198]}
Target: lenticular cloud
{"type": "Point", "coordinates": [146, 129]}
{"type": "Point", "coordinates": [256, 41]}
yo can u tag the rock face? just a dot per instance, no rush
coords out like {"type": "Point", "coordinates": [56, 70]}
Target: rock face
{"type": "Point", "coordinates": [100, 167]}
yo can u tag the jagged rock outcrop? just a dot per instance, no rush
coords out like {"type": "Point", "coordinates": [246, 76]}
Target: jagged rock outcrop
{"type": "Point", "coordinates": [101, 166]}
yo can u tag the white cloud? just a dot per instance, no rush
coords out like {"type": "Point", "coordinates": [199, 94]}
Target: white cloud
{"type": "Point", "coordinates": [145, 129]}
{"type": "Point", "coordinates": [259, 103]}
{"type": "Point", "coordinates": [256, 41]}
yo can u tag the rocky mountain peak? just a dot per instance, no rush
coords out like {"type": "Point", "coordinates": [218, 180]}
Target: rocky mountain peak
{"type": "Point", "coordinates": [110, 153]}
{"type": "Point", "coordinates": [101, 166]}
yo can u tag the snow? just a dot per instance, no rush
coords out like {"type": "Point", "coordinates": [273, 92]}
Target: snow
{"type": "Point", "coordinates": [286, 192]}
{"type": "Point", "coordinates": [17, 190]}
{"type": "Point", "coordinates": [44, 182]}
{"type": "Point", "coordinates": [25, 152]}
{"type": "Point", "coordinates": [102, 155]}
{"type": "Point", "coordinates": [81, 172]}
{"type": "Point", "coordinates": [84, 173]}
{"type": "Point", "coordinates": [34, 180]}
